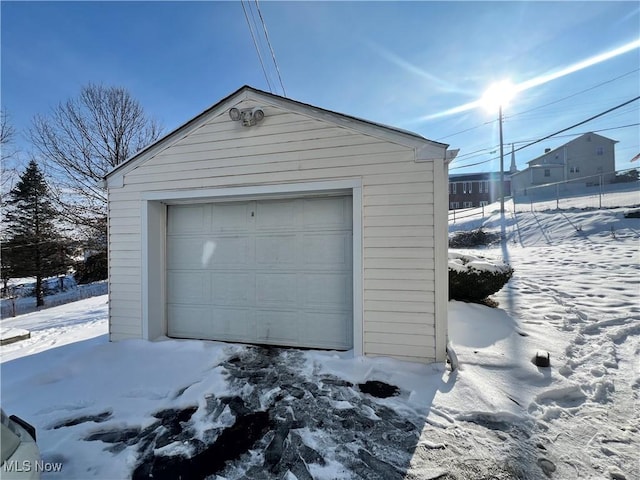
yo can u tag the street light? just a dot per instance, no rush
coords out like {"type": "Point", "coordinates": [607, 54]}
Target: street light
{"type": "Point", "coordinates": [498, 95]}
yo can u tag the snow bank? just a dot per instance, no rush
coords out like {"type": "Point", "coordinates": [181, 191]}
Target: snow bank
{"type": "Point", "coordinates": [465, 262]}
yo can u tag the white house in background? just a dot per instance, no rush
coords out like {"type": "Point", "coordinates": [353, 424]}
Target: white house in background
{"type": "Point", "coordinates": [588, 160]}
{"type": "Point", "coordinates": [266, 220]}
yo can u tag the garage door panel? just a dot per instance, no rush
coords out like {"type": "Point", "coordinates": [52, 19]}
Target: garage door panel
{"type": "Point", "coordinates": [186, 253]}
{"type": "Point", "coordinates": [276, 290]}
{"type": "Point", "coordinates": [188, 219]}
{"type": "Point", "coordinates": [322, 329]}
{"type": "Point", "coordinates": [233, 324]}
{"type": "Point", "coordinates": [327, 212]}
{"type": "Point", "coordinates": [188, 287]}
{"type": "Point", "coordinates": [276, 250]}
{"type": "Point", "coordinates": [230, 251]}
{"type": "Point", "coordinates": [231, 217]}
{"type": "Point", "coordinates": [327, 250]}
{"type": "Point", "coordinates": [275, 272]}
{"type": "Point", "coordinates": [189, 320]}
{"type": "Point", "coordinates": [206, 251]}
{"type": "Point", "coordinates": [275, 215]}
{"type": "Point", "coordinates": [327, 291]}
{"type": "Point", "coordinates": [278, 327]}
{"type": "Point", "coordinates": [233, 288]}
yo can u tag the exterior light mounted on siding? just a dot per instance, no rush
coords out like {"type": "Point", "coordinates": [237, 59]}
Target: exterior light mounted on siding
{"type": "Point", "coordinates": [248, 116]}
{"type": "Point", "coordinates": [234, 114]}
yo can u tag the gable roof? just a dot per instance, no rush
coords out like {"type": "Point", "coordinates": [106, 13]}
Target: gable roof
{"type": "Point", "coordinates": [403, 137]}
{"type": "Point", "coordinates": [569, 143]}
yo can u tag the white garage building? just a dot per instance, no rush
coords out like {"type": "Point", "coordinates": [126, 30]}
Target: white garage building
{"type": "Point", "coordinates": [269, 221]}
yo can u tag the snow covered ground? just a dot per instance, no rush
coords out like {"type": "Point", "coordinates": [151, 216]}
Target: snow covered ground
{"type": "Point", "coordinates": [21, 302]}
{"type": "Point", "coordinates": [113, 410]}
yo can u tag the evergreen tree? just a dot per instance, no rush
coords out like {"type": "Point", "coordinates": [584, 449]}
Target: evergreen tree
{"type": "Point", "coordinates": [34, 247]}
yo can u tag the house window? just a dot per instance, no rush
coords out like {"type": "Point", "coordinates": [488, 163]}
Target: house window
{"type": "Point", "coordinates": [547, 172]}
{"type": "Point", "coordinates": [574, 169]}
{"type": "Point", "coordinates": [452, 187]}
{"type": "Point", "coordinates": [466, 187]}
{"type": "Point", "coordinates": [600, 151]}
{"type": "Point", "coordinates": [484, 203]}
{"type": "Point", "coordinates": [454, 205]}
{"type": "Point", "coordinates": [467, 204]}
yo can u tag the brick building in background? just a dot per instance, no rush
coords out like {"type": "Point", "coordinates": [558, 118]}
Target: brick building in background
{"type": "Point", "coordinates": [467, 190]}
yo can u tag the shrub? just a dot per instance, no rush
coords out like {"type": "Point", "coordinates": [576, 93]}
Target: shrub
{"type": "Point", "coordinates": [473, 238]}
{"type": "Point", "coordinates": [473, 278]}
{"type": "Point", "coordinates": [628, 176]}
{"type": "Point", "coordinates": [92, 269]}
{"type": "Point", "coordinates": [635, 213]}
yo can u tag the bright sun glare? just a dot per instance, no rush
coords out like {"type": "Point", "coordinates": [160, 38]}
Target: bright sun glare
{"type": "Point", "coordinates": [497, 95]}
{"type": "Point", "coordinates": [534, 82]}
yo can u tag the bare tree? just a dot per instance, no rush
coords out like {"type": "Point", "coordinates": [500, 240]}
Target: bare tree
{"type": "Point", "coordinates": [83, 139]}
{"type": "Point", "coordinates": [6, 130]}
{"type": "Point", "coordinates": [7, 134]}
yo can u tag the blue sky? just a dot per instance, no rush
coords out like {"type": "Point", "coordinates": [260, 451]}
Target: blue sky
{"type": "Point", "coordinates": [398, 63]}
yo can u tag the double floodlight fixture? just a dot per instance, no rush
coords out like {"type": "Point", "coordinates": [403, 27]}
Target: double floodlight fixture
{"type": "Point", "coordinates": [248, 116]}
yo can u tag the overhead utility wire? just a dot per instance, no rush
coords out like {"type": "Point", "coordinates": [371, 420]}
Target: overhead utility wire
{"type": "Point", "coordinates": [576, 94]}
{"type": "Point", "coordinates": [526, 141]}
{"type": "Point", "coordinates": [465, 130]}
{"type": "Point", "coordinates": [261, 42]}
{"type": "Point", "coordinates": [579, 123]}
{"type": "Point", "coordinates": [491, 150]}
{"type": "Point", "coordinates": [506, 117]}
{"type": "Point", "coordinates": [553, 134]}
{"type": "Point", "coordinates": [273, 55]}
{"type": "Point", "coordinates": [255, 44]}
{"type": "Point", "coordinates": [558, 136]}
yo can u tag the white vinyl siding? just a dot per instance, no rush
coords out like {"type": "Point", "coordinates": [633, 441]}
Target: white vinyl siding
{"type": "Point", "coordinates": [397, 213]}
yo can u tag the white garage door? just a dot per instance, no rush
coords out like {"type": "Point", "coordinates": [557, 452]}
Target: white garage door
{"type": "Point", "coordinates": [273, 272]}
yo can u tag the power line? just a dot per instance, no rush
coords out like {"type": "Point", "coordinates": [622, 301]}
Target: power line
{"type": "Point", "coordinates": [591, 131]}
{"type": "Point", "coordinates": [261, 42]}
{"type": "Point", "coordinates": [553, 134]}
{"type": "Point", "coordinates": [255, 44]}
{"type": "Point", "coordinates": [273, 55]}
{"type": "Point", "coordinates": [577, 110]}
{"type": "Point", "coordinates": [477, 153]}
{"type": "Point", "coordinates": [526, 141]}
{"type": "Point", "coordinates": [580, 123]}
{"type": "Point", "coordinates": [507, 117]}
{"type": "Point", "coordinates": [465, 130]}
{"type": "Point", "coordinates": [576, 94]}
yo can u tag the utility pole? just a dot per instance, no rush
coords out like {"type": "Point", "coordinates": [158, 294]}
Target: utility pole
{"type": "Point", "coordinates": [501, 161]}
